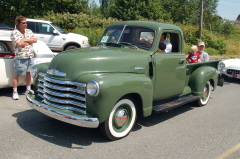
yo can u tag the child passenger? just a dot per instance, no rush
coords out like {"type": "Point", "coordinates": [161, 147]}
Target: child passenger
{"type": "Point", "coordinates": [194, 57]}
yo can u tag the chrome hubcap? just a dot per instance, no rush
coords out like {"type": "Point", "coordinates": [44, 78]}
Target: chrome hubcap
{"type": "Point", "coordinates": [205, 92]}
{"type": "Point", "coordinates": [121, 117]}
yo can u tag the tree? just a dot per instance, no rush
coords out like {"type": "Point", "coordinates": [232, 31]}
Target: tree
{"type": "Point", "coordinates": [182, 11]}
{"type": "Point", "coordinates": [238, 18]}
{"type": "Point", "coordinates": [137, 9]}
{"type": "Point", "coordinates": [30, 8]}
{"type": "Point", "coordinates": [104, 5]}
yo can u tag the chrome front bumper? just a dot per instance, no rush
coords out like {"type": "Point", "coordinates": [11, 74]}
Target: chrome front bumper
{"type": "Point", "coordinates": [62, 116]}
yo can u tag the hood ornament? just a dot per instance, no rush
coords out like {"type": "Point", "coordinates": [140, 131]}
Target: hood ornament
{"type": "Point", "coordinates": [56, 73]}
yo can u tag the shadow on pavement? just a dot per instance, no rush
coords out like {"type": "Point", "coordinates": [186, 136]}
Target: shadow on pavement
{"type": "Point", "coordinates": [57, 132]}
{"type": "Point", "coordinates": [231, 80]}
{"type": "Point", "coordinates": [71, 136]}
{"type": "Point", "coordinates": [157, 118]}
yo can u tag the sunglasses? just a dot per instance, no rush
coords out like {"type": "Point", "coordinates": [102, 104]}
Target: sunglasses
{"type": "Point", "coordinates": [23, 22]}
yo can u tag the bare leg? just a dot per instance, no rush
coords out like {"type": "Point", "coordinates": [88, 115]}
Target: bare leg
{"type": "Point", "coordinates": [28, 79]}
{"type": "Point", "coordinates": [15, 81]}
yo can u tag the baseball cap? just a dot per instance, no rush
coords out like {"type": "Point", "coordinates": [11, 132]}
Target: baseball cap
{"type": "Point", "coordinates": [201, 43]}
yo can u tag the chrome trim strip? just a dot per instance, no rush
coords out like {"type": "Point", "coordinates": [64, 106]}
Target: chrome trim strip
{"type": "Point", "coordinates": [56, 73]}
{"type": "Point", "coordinates": [49, 85]}
{"type": "Point", "coordinates": [65, 95]}
{"type": "Point", "coordinates": [41, 74]}
{"type": "Point", "coordinates": [68, 118]}
{"type": "Point", "coordinates": [64, 107]}
{"type": "Point", "coordinates": [64, 82]}
{"type": "Point", "coordinates": [40, 90]}
{"type": "Point", "coordinates": [40, 95]}
{"type": "Point", "coordinates": [41, 80]}
{"type": "Point", "coordinates": [57, 100]}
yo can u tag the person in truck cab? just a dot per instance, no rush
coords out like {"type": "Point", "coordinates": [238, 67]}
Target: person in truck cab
{"type": "Point", "coordinates": [167, 43]}
{"type": "Point", "coordinates": [162, 40]}
{"type": "Point", "coordinates": [22, 39]}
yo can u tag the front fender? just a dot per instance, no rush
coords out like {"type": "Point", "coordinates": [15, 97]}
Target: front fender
{"type": "Point", "coordinates": [200, 77]}
{"type": "Point", "coordinates": [113, 87]}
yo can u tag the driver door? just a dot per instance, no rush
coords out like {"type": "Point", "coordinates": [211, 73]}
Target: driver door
{"type": "Point", "coordinates": [170, 70]}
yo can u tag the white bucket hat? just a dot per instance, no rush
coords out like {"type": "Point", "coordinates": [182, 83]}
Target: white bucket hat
{"type": "Point", "coordinates": [201, 43]}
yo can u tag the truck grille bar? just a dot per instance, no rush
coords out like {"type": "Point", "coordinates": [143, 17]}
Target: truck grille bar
{"type": "Point", "coordinates": [60, 94]}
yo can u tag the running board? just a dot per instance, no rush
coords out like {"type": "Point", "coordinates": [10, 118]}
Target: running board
{"type": "Point", "coordinates": [164, 105]}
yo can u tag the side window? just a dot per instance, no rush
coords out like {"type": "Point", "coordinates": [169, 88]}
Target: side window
{"type": "Point", "coordinates": [172, 42]}
{"type": "Point", "coordinates": [147, 36]}
{"type": "Point", "coordinates": [32, 26]}
{"type": "Point", "coordinates": [45, 28]}
{"type": "Point", "coordinates": [175, 41]}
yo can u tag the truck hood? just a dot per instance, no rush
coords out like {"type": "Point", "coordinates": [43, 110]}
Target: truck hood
{"type": "Point", "coordinates": [100, 59]}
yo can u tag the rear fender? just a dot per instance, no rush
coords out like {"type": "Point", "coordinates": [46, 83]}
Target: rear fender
{"type": "Point", "coordinates": [200, 77]}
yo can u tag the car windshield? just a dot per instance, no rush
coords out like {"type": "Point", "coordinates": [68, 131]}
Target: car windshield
{"type": "Point", "coordinates": [58, 28]}
{"type": "Point", "coordinates": [129, 35]}
{"type": "Point", "coordinates": [5, 26]}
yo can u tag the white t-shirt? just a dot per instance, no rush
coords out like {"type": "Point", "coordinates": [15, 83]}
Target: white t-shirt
{"type": "Point", "coordinates": [204, 57]}
{"type": "Point", "coordinates": [168, 46]}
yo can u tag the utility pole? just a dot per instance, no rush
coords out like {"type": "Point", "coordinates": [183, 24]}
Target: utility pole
{"type": "Point", "coordinates": [201, 19]}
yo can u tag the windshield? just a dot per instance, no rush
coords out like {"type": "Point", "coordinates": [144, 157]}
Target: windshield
{"type": "Point", "coordinates": [58, 28]}
{"type": "Point", "coordinates": [130, 35]}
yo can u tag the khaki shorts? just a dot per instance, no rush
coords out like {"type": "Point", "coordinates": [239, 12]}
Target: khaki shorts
{"type": "Point", "coordinates": [21, 66]}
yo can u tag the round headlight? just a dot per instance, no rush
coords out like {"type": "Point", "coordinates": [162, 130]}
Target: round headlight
{"type": "Point", "coordinates": [33, 71]}
{"type": "Point", "coordinates": [222, 65]}
{"type": "Point", "coordinates": [92, 88]}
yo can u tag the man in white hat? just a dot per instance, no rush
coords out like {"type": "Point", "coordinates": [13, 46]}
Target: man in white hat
{"type": "Point", "coordinates": [204, 55]}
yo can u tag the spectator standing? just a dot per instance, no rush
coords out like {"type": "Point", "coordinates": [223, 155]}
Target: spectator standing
{"type": "Point", "coordinates": [22, 39]}
{"type": "Point", "coordinates": [204, 55]}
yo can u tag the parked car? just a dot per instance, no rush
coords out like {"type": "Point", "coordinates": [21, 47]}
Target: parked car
{"type": "Point", "coordinates": [44, 54]}
{"type": "Point", "coordinates": [5, 26]}
{"type": "Point", "coordinates": [230, 68]}
{"type": "Point", "coordinates": [56, 38]}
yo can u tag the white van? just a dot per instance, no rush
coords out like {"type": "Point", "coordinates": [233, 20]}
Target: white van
{"type": "Point", "coordinates": [56, 38]}
{"type": "Point", "coordinates": [51, 34]}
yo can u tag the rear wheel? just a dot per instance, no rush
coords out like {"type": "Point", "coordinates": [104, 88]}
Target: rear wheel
{"type": "Point", "coordinates": [3, 47]}
{"type": "Point", "coordinates": [120, 121]}
{"type": "Point", "coordinates": [206, 94]}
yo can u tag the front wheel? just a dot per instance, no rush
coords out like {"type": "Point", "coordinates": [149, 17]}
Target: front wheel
{"type": "Point", "coordinates": [120, 121]}
{"type": "Point", "coordinates": [71, 48]}
{"type": "Point", "coordinates": [206, 94]}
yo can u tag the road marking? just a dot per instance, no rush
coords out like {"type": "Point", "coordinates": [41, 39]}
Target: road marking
{"type": "Point", "coordinates": [229, 152]}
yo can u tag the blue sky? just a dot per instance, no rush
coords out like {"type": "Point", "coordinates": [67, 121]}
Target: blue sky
{"type": "Point", "coordinates": [227, 9]}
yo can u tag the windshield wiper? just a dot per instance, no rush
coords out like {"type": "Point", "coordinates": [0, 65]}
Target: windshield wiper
{"type": "Point", "coordinates": [129, 44]}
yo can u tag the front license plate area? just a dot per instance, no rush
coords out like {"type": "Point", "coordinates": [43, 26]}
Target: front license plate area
{"type": "Point", "coordinates": [236, 76]}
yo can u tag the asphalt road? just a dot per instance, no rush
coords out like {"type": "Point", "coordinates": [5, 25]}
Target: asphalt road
{"type": "Point", "coordinates": [187, 132]}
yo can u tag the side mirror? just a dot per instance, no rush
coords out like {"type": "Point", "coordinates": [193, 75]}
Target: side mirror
{"type": "Point", "coordinates": [162, 46]}
{"type": "Point", "coordinates": [55, 32]}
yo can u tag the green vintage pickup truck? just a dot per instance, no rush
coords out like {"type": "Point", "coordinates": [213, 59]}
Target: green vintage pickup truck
{"type": "Point", "coordinates": [110, 85]}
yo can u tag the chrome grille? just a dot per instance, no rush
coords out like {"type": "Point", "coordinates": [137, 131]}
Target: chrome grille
{"type": "Point", "coordinates": [60, 94]}
{"type": "Point", "coordinates": [232, 71]}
